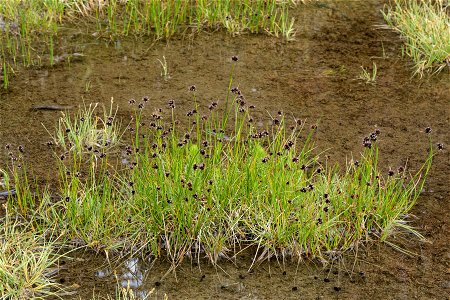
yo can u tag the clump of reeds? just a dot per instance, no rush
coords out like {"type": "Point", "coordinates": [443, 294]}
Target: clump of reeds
{"type": "Point", "coordinates": [220, 183]}
{"type": "Point", "coordinates": [28, 261]}
{"type": "Point", "coordinates": [425, 27]}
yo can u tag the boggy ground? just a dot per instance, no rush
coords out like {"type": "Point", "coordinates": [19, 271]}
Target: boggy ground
{"type": "Point", "coordinates": [313, 77]}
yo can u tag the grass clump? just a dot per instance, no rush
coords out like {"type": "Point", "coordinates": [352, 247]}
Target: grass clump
{"type": "Point", "coordinates": [369, 76]}
{"type": "Point", "coordinates": [208, 185]}
{"type": "Point", "coordinates": [28, 261]}
{"type": "Point", "coordinates": [425, 26]}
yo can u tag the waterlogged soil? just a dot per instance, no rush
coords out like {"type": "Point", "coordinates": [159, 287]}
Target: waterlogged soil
{"type": "Point", "coordinates": [314, 77]}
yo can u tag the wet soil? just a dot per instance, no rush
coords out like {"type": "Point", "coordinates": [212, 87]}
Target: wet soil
{"type": "Point", "coordinates": [314, 77]}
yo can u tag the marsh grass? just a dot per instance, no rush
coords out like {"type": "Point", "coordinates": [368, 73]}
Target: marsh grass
{"type": "Point", "coordinates": [28, 261]}
{"type": "Point", "coordinates": [425, 27]}
{"type": "Point", "coordinates": [216, 185]}
{"type": "Point", "coordinates": [29, 29]}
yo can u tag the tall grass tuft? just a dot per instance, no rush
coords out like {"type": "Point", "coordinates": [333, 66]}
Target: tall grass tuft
{"type": "Point", "coordinates": [28, 261]}
{"type": "Point", "coordinates": [425, 27]}
{"type": "Point", "coordinates": [217, 184]}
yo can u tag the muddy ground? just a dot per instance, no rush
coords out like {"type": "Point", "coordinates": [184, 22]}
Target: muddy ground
{"type": "Point", "coordinates": [314, 77]}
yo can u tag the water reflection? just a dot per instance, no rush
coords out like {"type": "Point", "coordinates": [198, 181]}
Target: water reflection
{"type": "Point", "coordinates": [132, 275]}
{"type": "Point", "coordinates": [129, 276]}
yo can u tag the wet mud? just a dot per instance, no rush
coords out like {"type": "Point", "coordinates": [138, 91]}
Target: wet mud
{"type": "Point", "coordinates": [314, 77]}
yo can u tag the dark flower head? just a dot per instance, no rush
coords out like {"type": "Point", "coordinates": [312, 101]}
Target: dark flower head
{"type": "Point", "coordinates": [440, 146]}
{"type": "Point", "coordinates": [192, 88]}
{"type": "Point", "coordinates": [428, 130]}
{"type": "Point", "coordinates": [234, 58]}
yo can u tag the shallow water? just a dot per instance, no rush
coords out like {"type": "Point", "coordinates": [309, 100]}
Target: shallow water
{"type": "Point", "coordinates": [314, 78]}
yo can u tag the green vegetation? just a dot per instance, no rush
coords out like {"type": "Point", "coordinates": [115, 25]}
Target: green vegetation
{"type": "Point", "coordinates": [29, 29]}
{"type": "Point", "coordinates": [211, 187]}
{"type": "Point", "coordinates": [369, 76]}
{"type": "Point", "coordinates": [425, 26]}
{"type": "Point", "coordinates": [27, 260]}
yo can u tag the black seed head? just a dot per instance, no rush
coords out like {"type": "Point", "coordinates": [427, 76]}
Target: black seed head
{"type": "Point", "coordinates": [192, 88]}
{"type": "Point", "coordinates": [234, 58]}
{"type": "Point", "coordinates": [440, 146]}
{"type": "Point", "coordinates": [428, 130]}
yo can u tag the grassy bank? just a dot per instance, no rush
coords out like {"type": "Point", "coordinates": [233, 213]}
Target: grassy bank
{"type": "Point", "coordinates": [425, 27]}
{"type": "Point", "coordinates": [208, 183]}
{"type": "Point", "coordinates": [29, 30]}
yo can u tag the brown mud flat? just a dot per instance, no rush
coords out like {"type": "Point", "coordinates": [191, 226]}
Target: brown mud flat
{"type": "Point", "coordinates": [314, 78]}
